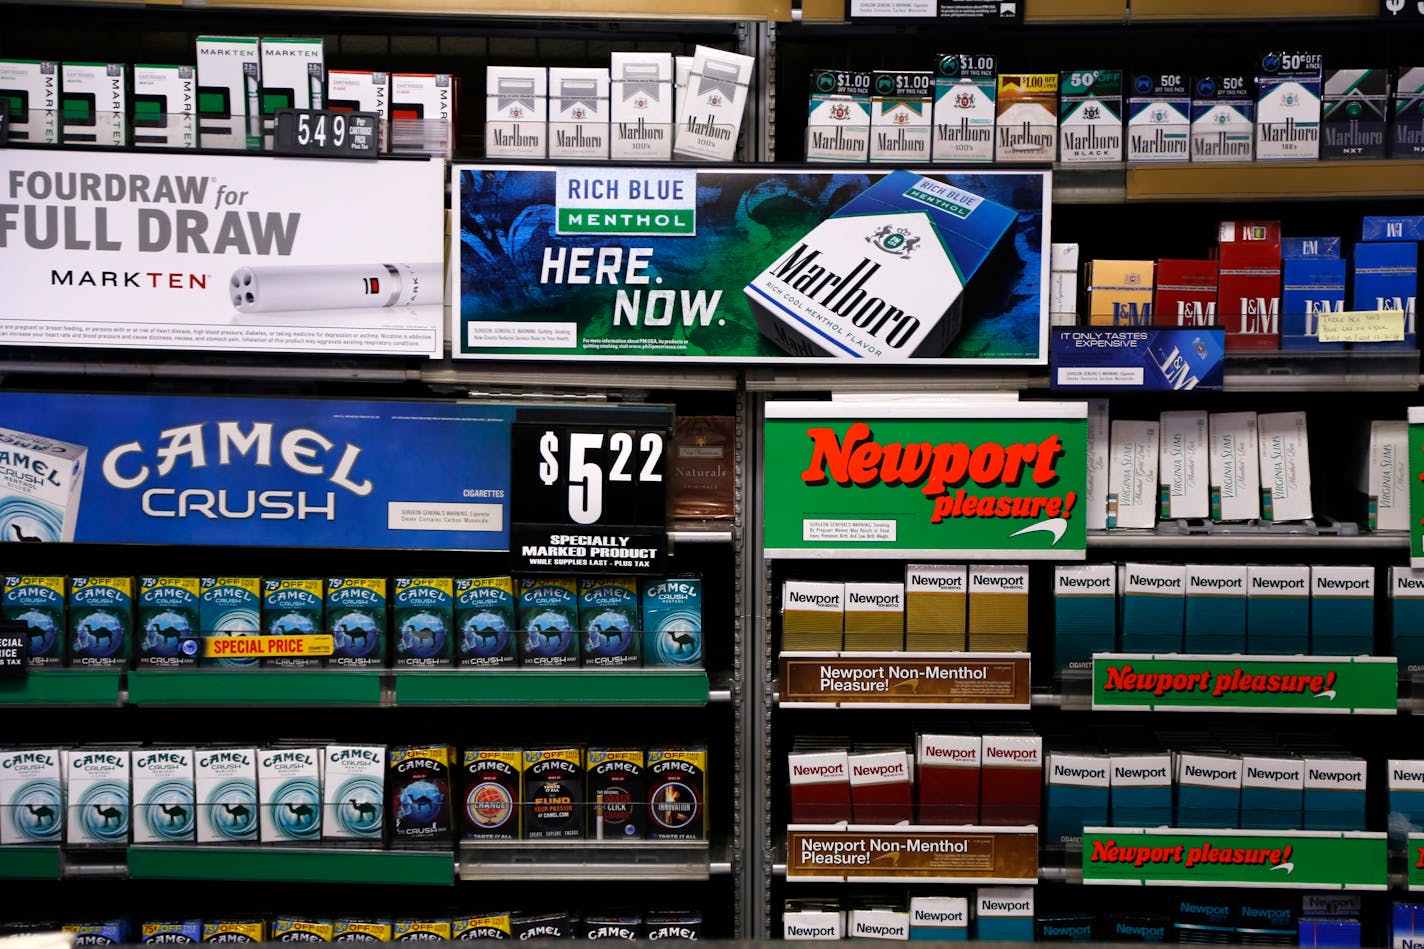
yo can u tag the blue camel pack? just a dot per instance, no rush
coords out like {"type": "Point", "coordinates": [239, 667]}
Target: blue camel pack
{"type": "Point", "coordinates": [38, 602]}
{"type": "Point", "coordinates": [608, 617]}
{"type": "Point", "coordinates": [484, 621]}
{"type": "Point", "coordinates": [292, 607]}
{"type": "Point", "coordinates": [548, 621]}
{"type": "Point", "coordinates": [166, 629]}
{"type": "Point", "coordinates": [100, 621]}
{"type": "Point", "coordinates": [672, 623]}
{"type": "Point", "coordinates": [357, 619]}
{"type": "Point", "coordinates": [424, 615]}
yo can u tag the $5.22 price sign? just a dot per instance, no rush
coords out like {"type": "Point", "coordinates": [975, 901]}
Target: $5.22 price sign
{"type": "Point", "coordinates": [589, 490]}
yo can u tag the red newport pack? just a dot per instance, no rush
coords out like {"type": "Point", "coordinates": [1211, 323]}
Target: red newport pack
{"type": "Point", "coordinates": [820, 787]}
{"type": "Point", "coordinates": [881, 789]}
{"type": "Point", "coordinates": [1011, 779]}
{"type": "Point", "coordinates": [947, 778]}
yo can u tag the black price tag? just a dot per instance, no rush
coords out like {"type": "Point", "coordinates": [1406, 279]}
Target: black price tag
{"type": "Point", "coordinates": [14, 648]}
{"type": "Point", "coordinates": [590, 490]}
{"type": "Point", "coordinates": [4, 122]}
{"type": "Point", "coordinates": [326, 133]}
{"type": "Point", "coordinates": [1401, 9]}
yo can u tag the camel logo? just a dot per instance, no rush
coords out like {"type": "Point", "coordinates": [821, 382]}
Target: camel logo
{"type": "Point", "coordinates": [358, 807]}
{"type": "Point", "coordinates": [35, 812]}
{"type": "Point", "coordinates": [169, 812]}
{"type": "Point", "coordinates": [231, 811]}
{"type": "Point", "coordinates": [895, 241]}
{"type": "Point", "coordinates": [104, 812]}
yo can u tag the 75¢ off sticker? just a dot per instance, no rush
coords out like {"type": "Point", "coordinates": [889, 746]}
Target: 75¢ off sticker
{"type": "Point", "coordinates": [1361, 685]}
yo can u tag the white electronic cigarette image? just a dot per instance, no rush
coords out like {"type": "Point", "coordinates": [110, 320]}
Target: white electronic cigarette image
{"type": "Point", "coordinates": [336, 287]}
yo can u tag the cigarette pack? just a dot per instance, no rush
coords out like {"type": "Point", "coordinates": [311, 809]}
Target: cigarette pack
{"type": "Point", "coordinates": [489, 926]}
{"type": "Point", "coordinates": [1335, 787]}
{"type": "Point", "coordinates": [616, 791]}
{"type": "Point", "coordinates": [1278, 610]}
{"type": "Point", "coordinates": [803, 922]}
{"type": "Point", "coordinates": [1406, 592]}
{"type": "Point", "coordinates": [709, 117]}
{"type": "Point", "coordinates": [1223, 118]}
{"type": "Point", "coordinates": [353, 792]}
{"type": "Point", "coordinates": [1182, 464]}
{"type": "Point", "coordinates": [936, 600]}
{"type": "Point", "coordinates": [1152, 607]}
{"type": "Point", "coordinates": [1120, 292]}
{"type": "Point", "coordinates": [93, 104]}
{"type": "Point", "coordinates": [424, 614]}
{"type": "Point", "coordinates": [292, 608]}
{"type": "Point", "coordinates": [1027, 121]}
{"type": "Point", "coordinates": [1003, 914]}
{"type": "Point", "coordinates": [1063, 285]}
{"type": "Point", "coordinates": [40, 483]}
{"type": "Point", "coordinates": [641, 106]}
{"type": "Point", "coordinates": [226, 783]}
{"type": "Point", "coordinates": [516, 111]}
{"type": "Point", "coordinates": [1208, 789]}
{"type": "Point", "coordinates": [1293, 247]}
{"type": "Point", "coordinates": [230, 607]}
{"type": "Point", "coordinates": [677, 793]}
{"type": "Point", "coordinates": [165, 101]}
{"type": "Point", "coordinates": [963, 129]}
{"type": "Point", "coordinates": [1141, 794]}
{"type": "Point", "coordinates": [1090, 116]}
{"type": "Point", "coordinates": [298, 929]}
{"type": "Point", "coordinates": [1355, 113]}
{"type": "Point", "coordinates": [874, 617]}
{"type": "Point", "coordinates": [1132, 474]}
{"type": "Point", "coordinates": [188, 930]}
{"type": "Point", "coordinates": [1215, 609]}
{"type": "Point", "coordinates": [1077, 795]}
{"type": "Point", "coordinates": [812, 616]}
{"type": "Point", "coordinates": [1342, 610]}
{"type": "Point", "coordinates": [1235, 466]}
{"type": "Point", "coordinates": [1387, 484]}
{"type": "Point", "coordinates": [229, 92]}
{"type": "Point", "coordinates": [1159, 118]}
{"type": "Point", "coordinates": [820, 785]}
{"type": "Point", "coordinates": [1407, 113]}
{"type": "Point", "coordinates": [164, 795]}
{"type": "Point", "coordinates": [901, 107]}
{"type": "Point", "coordinates": [881, 786]}
{"type": "Point", "coordinates": [548, 620]}
{"type": "Point", "coordinates": [1084, 614]}
{"type": "Point", "coordinates": [1285, 466]}
{"type": "Point", "coordinates": [1391, 227]}
{"type": "Point", "coordinates": [1010, 778]}
{"type": "Point", "coordinates": [608, 618]}
{"type": "Point", "coordinates": [423, 114]}
{"type": "Point", "coordinates": [1185, 293]}
{"type": "Point", "coordinates": [418, 792]}
{"type": "Point", "coordinates": [1272, 792]}
{"type": "Point", "coordinates": [362, 90]}
{"type": "Point", "coordinates": [939, 918]}
{"type": "Point", "coordinates": [31, 87]}
{"type": "Point", "coordinates": [31, 796]}
{"type": "Point", "coordinates": [1406, 796]}
{"type": "Point", "coordinates": [1312, 286]}
{"type": "Point", "coordinates": [998, 608]}
{"type": "Point", "coordinates": [1098, 452]}
{"type": "Point", "coordinates": [492, 787]}
{"type": "Point", "coordinates": [1249, 284]}
{"type": "Point", "coordinates": [578, 113]}
{"type": "Point", "coordinates": [672, 623]}
{"type": "Point", "coordinates": [553, 793]}
{"type": "Point", "coordinates": [838, 120]}
{"type": "Point", "coordinates": [485, 621]}
{"type": "Point", "coordinates": [1386, 277]}
{"type": "Point", "coordinates": [1288, 91]}
{"type": "Point", "coordinates": [947, 778]}
{"type": "Point", "coordinates": [39, 603]}
{"type": "Point", "coordinates": [289, 785]}
{"type": "Point", "coordinates": [100, 621]}
{"type": "Point", "coordinates": [357, 618]}
{"type": "Point", "coordinates": [98, 790]}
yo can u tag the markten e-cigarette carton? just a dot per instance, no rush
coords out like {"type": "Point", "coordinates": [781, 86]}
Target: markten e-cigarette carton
{"type": "Point", "coordinates": [1152, 606]}
{"type": "Point", "coordinates": [31, 796]}
{"type": "Point", "coordinates": [293, 74]}
{"type": "Point", "coordinates": [39, 603]}
{"type": "Point", "coordinates": [1278, 610]}
{"type": "Point", "coordinates": [40, 482]}
{"type": "Point", "coordinates": [1215, 609]}
{"type": "Point", "coordinates": [31, 87]}
{"type": "Point", "coordinates": [229, 607]}
{"type": "Point", "coordinates": [1406, 592]}
{"type": "Point", "coordinates": [901, 253]}
{"type": "Point", "coordinates": [93, 103]}
{"type": "Point", "coordinates": [1027, 123]}
{"type": "Point", "coordinates": [901, 106]}
{"type": "Point", "coordinates": [1132, 474]}
{"type": "Point", "coordinates": [939, 918]}
{"type": "Point", "coordinates": [1342, 610]}
{"type": "Point", "coordinates": [229, 96]}
{"type": "Point", "coordinates": [485, 621]}
{"type": "Point", "coordinates": [709, 117]}
{"type": "Point", "coordinates": [165, 101]}
{"type": "Point", "coordinates": [98, 791]}
{"type": "Point", "coordinates": [165, 796]}
{"type": "Point", "coordinates": [362, 90]}
{"type": "Point", "coordinates": [964, 116]}
{"type": "Point", "coordinates": [838, 119]}
{"type": "Point", "coordinates": [353, 792]}
{"type": "Point", "coordinates": [423, 113]}
{"type": "Point", "coordinates": [1407, 113]}
{"type": "Point", "coordinates": [1354, 118]}
{"type": "Point", "coordinates": [641, 106]}
{"type": "Point", "coordinates": [1285, 466]}
{"type": "Point", "coordinates": [1090, 116]}
{"type": "Point", "coordinates": [357, 619]}
{"type": "Point", "coordinates": [1288, 91]}
{"type": "Point", "coordinates": [100, 621]}
{"type": "Point", "coordinates": [578, 113]}
{"type": "Point", "coordinates": [1159, 118]}
{"type": "Point", "coordinates": [1182, 465]}
{"type": "Point", "coordinates": [1223, 118]}
{"type": "Point", "coordinates": [1235, 467]}
{"type": "Point", "coordinates": [1084, 614]}
{"type": "Point", "coordinates": [1386, 485]}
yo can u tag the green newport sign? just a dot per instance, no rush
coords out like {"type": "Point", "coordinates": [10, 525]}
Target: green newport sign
{"type": "Point", "coordinates": [980, 480]}
{"type": "Point", "coordinates": [1360, 685]}
{"type": "Point", "coordinates": [1414, 860]}
{"type": "Point", "coordinates": [1347, 860]}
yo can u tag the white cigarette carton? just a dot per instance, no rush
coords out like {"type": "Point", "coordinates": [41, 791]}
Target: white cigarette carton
{"type": "Point", "coordinates": [1098, 442]}
{"type": "Point", "coordinates": [1389, 476]}
{"type": "Point", "coordinates": [33, 84]}
{"type": "Point", "coordinates": [40, 481]}
{"type": "Point", "coordinates": [901, 107]}
{"type": "Point", "coordinates": [516, 111]}
{"type": "Point", "coordinates": [362, 90]}
{"type": "Point", "coordinates": [1183, 465]}
{"type": "Point", "coordinates": [229, 92]}
{"type": "Point", "coordinates": [711, 112]}
{"type": "Point", "coordinates": [226, 781]}
{"type": "Point", "coordinates": [353, 791]}
{"type": "Point", "coordinates": [1132, 474]}
{"type": "Point", "coordinates": [31, 796]}
{"type": "Point", "coordinates": [807, 925]}
{"type": "Point", "coordinates": [641, 106]}
{"type": "Point", "coordinates": [879, 924]}
{"type": "Point", "coordinates": [97, 787]}
{"type": "Point", "coordinates": [1285, 466]}
{"type": "Point", "coordinates": [165, 101]}
{"type": "Point", "coordinates": [838, 116]}
{"type": "Point", "coordinates": [165, 799]}
{"type": "Point", "coordinates": [289, 785]}
{"type": "Point", "coordinates": [1063, 285]}
{"type": "Point", "coordinates": [423, 113]}
{"type": "Point", "coordinates": [578, 113]}
{"type": "Point", "coordinates": [1235, 467]}
{"type": "Point", "coordinates": [964, 110]}
{"type": "Point", "coordinates": [1288, 91]}
{"type": "Point", "coordinates": [94, 104]}
{"type": "Point", "coordinates": [293, 73]}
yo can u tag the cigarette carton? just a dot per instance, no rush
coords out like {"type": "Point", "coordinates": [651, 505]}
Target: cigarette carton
{"type": "Point", "coordinates": [292, 608]}
{"type": "Point", "coordinates": [420, 930]}
{"type": "Point", "coordinates": [361, 930]}
{"type": "Point", "coordinates": [608, 618]}
{"type": "Point", "coordinates": [1342, 611]}
{"type": "Point", "coordinates": [100, 621]}
{"type": "Point", "coordinates": [578, 113]}
{"type": "Point", "coordinates": [964, 114]}
{"type": "Point", "coordinates": [1141, 789]}
{"type": "Point", "coordinates": [641, 106]}
{"type": "Point", "coordinates": [1132, 474]}
{"type": "Point", "coordinates": [1090, 116]}
{"type": "Point", "coordinates": [31, 796]}
{"type": "Point", "coordinates": [1354, 116]}
{"type": "Point", "coordinates": [1182, 465]}
{"type": "Point", "coordinates": [1392, 227]}
{"type": "Point", "coordinates": [1335, 787]}
{"type": "Point", "coordinates": [353, 792]}
{"type": "Point", "coordinates": [423, 114]}
{"type": "Point", "coordinates": [492, 789]}
{"type": "Point", "coordinates": [98, 792]}
{"type": "Point", "coordinates": [1063, 285]}
{"type": "Point", "coordinates": [812, 616]}
{"type": "Point", "coordinates": [1027, 122]}
{"type": "Point", "coordinates": [226, 783]}
{"type": "Point", "coordinates": [289, 785]}
{"type": "Point", "coordinates": [901, 107]}
{"type": "Point", "coordinates": [165, 106]}
{"type": "Point", "coordinates": [188, 930]}
{"type": "Point", "coordinates": [1312, 286]}
{"type": "Point", "coordinates": [672, 924]}
{"type": "Point", "coordinates": [1010, 778]}
{"type": "Point", "coordinates": [869, 923]}
{"type": "Point", "coordinates": [234, 931]}
{"type": "Point", "coordinates": [418, 788]}
{"type": "Point", "coordinates": [362, 90]}
{"type": "Point", "coordinates": [1267, 919]}
{"type": "Point", "coordinates": [1003, 914]}
{"type": "Point", "coordinates": [1336, 933]}
{"type": "Point", "coordinates": [998, 608]}
{"type": "Point", "coordinates": [165, 796]}
{"type": "Point", "coordinates": [489, 926]}
{"type": "Point", "coordinates": [838, 123]}
{"type": "Point", "coordinates": [40, 482]}
{"type": "Point", "coordinates": [1153, 606]}
{"type": "Point", "coordinates": [1288, 90]}
{"type": "Point", "coordinates": [1272, 792]}
{"type": "Point", "coordinates": [1249, 284]}
{"type": "Point", "coordinates": [293, 76]}
{"type": "Point", "coordinates": [677, 793]}
{"type": "Point", "coordinates": [1084, 614]}
{"type": "Point", "coordinates": [1098, 453]}
{"type": "Point", "coordinates": [553, 793]}
{"type": "Point", "coordinates": [1406, 591]}
{"type": "Point", "coordinates": [881, 787]}
{"type": "Point", "coordinates": [93, 104]}
{"type": "Point", "coordinates": [424, 614]}
{"type": "Point", "coordinates": [623, 926]}
{"type": "Point", "coordinates": [806, 923]}
{"type": "Point", "coordinates": [1215, 609]}
{"type": "Point", "coordinates": [1185, 293]}
{"type": "Point", "coordinates": [1278, 610]}
{"type": "Point", "coordinates": [1223, 118]}
{"type": "Point", "coordinates": [357, 619]}
{"type": "Point", "coordinates": [297, 929]}
{"type": "Point", "coordinates": [485, 619]}
{"type": "Point", "coordinates": [1066, 927]}
{"type": "Point", "coordinates": [1159, 118]}
{"type": "Point", "coordinates": [31, 86]}
{"type": "Point", "coordinates": [1120, 292]}
{"type": "Point", "coordinates": [1406, 797]}
{"type": "Point", "coordinates": [710, 114]}
{"type": "Point", "coordinates": [820, 786]}
{"type": "Point", "coordinates": [1077, 795]}
{"type": "Point", "coordinates": [1386, 278]}
{"type": "Point", "coordinates": [1285, 466]}
{"type": "Point", "coordinates": [1407, 113]}
{"type": "Point", "coordinates": [38, 602]}
{"type": "Point", "coordinates": [672, 623]}
{"type": "Point", "coordinates": [548, 617]}
{"type": "Point", "coordinates": [110, 932]}
{"type": "Point", "coordinates": [1388, 476]}
{"type": "Point", "coordinates": [616, 792]}
{"type": "Point", "coordinates": [1208, 790]}
{"type": "Point", "coordinates": [229, 607]}
{"type": "Point", "coordinates": [947, 778]}
{"type": "Point", "coordinates": [1135, 927]}
{"type": "Point", "coordinates": [902, 250]}
{"type": "Point", "coordinates": [229, 92]}
{"type": "Point", "coordinates": [1235, 467]}
{"type": "Point", "coordinates": [936, 600]}
{"type": "Point", "coordinates": [874, 617]}
{"type": "Point", "coordinates": [1326, 247]}
{"type": "Point", "coordinates": [939, 918]}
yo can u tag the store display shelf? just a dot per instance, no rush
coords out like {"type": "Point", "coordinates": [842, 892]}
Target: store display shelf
{"type": "Point", "coordinates": [1147, 11]}
{"type": "Point", "coordinates": [292, 865]}
{"type": "Point", "coordinates": [830, 680]}
{"type": "Point", "coordinates": [62, 687]}
{"type": "Point", "coordinates": [1221, 182]}
{"type": "Point", "coordinates": [243, 687]}
{"type": "Point", "coordinates": [701, 532]}
{"type": "Point", "coordinates": [1356, 371]}
{"type": "Point", "coordinates": [30, 863]}
{"type": "Point", "coordinates": [551, 687]}
{"type": "Point", "coordinates": [1243, 540]}
{"type": "Point", "coordinates": [894, 384]}
{"type": "Point", "coordinates": [531, 378]}
{"type": "Point", "coordinates": [584, 859]}
{"type": "Point", "coordinates": [872, 853]}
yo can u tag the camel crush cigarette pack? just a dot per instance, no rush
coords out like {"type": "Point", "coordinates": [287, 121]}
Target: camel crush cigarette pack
{"type": "Point", "coordinates": [289, 785]}
{"type": "Point", "coordinates": [608, 620]}
{"type": "Point", "coordinates": [167, 621]}
{"type": "Point", "coordinates": [491, 788]}
{"type": "Point", "coordinates": [40, 482]}
{"type": "Point", "coordinates": [353, 781]}
{"type": "Point", "coordinates": [229, 607]}
{"type": "Point", "coordinates": [298, 929]}
{"type": "Point", "coordinates": [616, 793]}
{"type": "Point", "coordinates": [226, 782]}
{"type": "Point", "coordinates": [553, 793]}
{"type": "Point", "coordinates": [31, 796]}
{"type": "Point", "coordinates": [418, 788]}
{"type": "Point", "coordinates": [292, 608]}
{"type": "Point", "coordinates": [100, 620]}
{"type": "Point", "coordinates": [38, 602]}
{"type": "Point", "coordinates": [548, 621]}
{"type": "Point", "coordinates": [424, 610]}
{"type": "Point", "coordinates": [165, 797]}
{"type": "Point", "coordinates": [357, 620]}
{"type": "Point", "coordinates": [672, 623]}
{"type": "Point", "coordinates": [484, 621]}
{"type": "Point", "coordinates": [97, 784]}
{"type": "Point", "coordinates": [677, 793]}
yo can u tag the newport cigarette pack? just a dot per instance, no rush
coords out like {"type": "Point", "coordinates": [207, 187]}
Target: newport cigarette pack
{"type": "Point", "coordinates": [353, 792]}
{"type": "Point", "coordinates": [39, 603]}
{"type": "Point", "coordinates": [229, 607]}
{"type": "Point", "coordinates": [709, 117]}
{"type": "Point", "coordinates": [1223, 118]}
{"type": "Point", "coordinates": [1003, 914]}
{"type": "Point", "coordinates": [1077, 795]}
{"type": "Point", "coordinates": [578, 113]}
{"type": "Point", "coordinates": [1272, 792]}
{"type": "Point", "coordinates": [874, 617]}
{"type": "Point", "coordinates": [936, 601]}
{"type": "Point", "coordinates": [878, 922]}
{"type": "Point", "coordinates": [423, 109]}
{"type": "Point", "coordinates": [1215, 609]}
{"type": "Point", "coordinates": [1288, 91]}
{"type": "Point", "coordinates": [1386, 277]}
{"type": "Point", "coordinates": [1120, 292]}
{"type": "Point", "coordinates": [491, 786]}
{"type": "Point", "coordinates": [289, 785]}
{"type": "Point", "coordinates": [819, 781]}
{"type": "Point", "coordinates": [1285, 466]}
{"type": "Point", "coordinates": [1185, 293]}
{"type": "Point", "coordinates": [947, 778]}
{"type": "Point", "coordinates": [901, 107]}
{"type": "Point", "coordinates": [1406, 592]}
{"type": "Point", "coordinates": [1278, 610]}
{"type": "Point", "coordinates": [1406, 796]}
{"type": "Point", "coordinates": [226, 783]}
{"type": "Point", "coordinates": [1234, 466]}
{"type": "Point", "coordinates": [31, 796]}
{"type": "Point", "coordinates": [1387, 484]}
{"type": "Point", "coordinates": [485, 621]}
{"type": "Point", "coordinates": [812, 616]}
{"type": "Point", "coordinates": [1027, 120]}
{"type": "Point", "coordinates": [423, 615]}
{"type": "Point", "coordinates": [93, 104]}
{"type": "Point", "coordinates": [963, 128]}
{"type": "Point", "coordinates": [640, 106]}
{"type": "Point", "coordinates": [1208, 789]}
{"type": "Point", "coordinates": [292, 607]}
{"type": "Point", "coordinates": [1311, 286]}
{"type": "Point", "coordinates": [1063, 285]}
{"type": "Point", "coordinates": [1090, 116]}
{"type": "Point", "coordinates": [164, 796]}
{"type": "Point", "coordinates": [1152, 606]}
{"type": "Point", "coordinates": [40, 482]}
{"type": "Point", "coordinates": [1010, 777]}
{"type": "Point", "coordinates": [1141, 794]}
{"type": "Point", "coordinates": [838, 120]}
{"type": "Point", "coordinates": [672, 623]}
{"type": "Point", "coordinates": [1159, 118]}
{"type": "Point", "coordinates": [1084, 613]}
{"type": "Point", "coordinates": [1098, 452]}
{"type": "Point", "coordinates": [1342, 610]}
{"type": "Point", "coordinates": [939, 918]}
{"type": "Point", "coordinates": [806, 920]}
{"type": "Point", "coordinates": [516, 111]}
{"type": "Point", "coordinates": [1355, 114]}
{"type": "Point", "coordinates": [98, 790]}
{"type": "Point", "coordinates": [1132, 474]}
{"type": "Point", "coordinates": [31, 87]}
{"type": "Point", "coordinates": [293, 76]}
{"type": "Point", "coordinates": [1249, 284]}
{"type": "Point", "coordinates": [1407, 113]}
{"type": "Point", "coordinates": [998, 608]}
{"type": "Point", "coordinates": [100, 621]}
{"type": "Point", "coordinates": [362, 90]}
{"type": "Point", "coordinates": [1335, 786]}
{"type": "Point", "coordinates": [881, 785]}
{"type": "Point", "coordinates": [1182, 465]}
{"type": "Point", "coordinates": [164, 102]}
{"type": "Point", "coordinates": [229, 92]}
{"type": "Point", "coordinates": [357, 618]}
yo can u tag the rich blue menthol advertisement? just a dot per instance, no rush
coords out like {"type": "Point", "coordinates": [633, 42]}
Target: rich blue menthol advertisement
{"type": "Point", "coordinates": [1150, 359]}
{"type": "Point", "coordinates": [130, 469]}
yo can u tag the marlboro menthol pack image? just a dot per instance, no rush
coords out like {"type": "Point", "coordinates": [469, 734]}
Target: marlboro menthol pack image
{"type": "Point", "coordinates": [882, 278]}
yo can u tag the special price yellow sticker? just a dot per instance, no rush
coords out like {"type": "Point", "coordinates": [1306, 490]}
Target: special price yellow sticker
{"type": "Point", "coordinates": [244, 647]}
{"type": "Point", "coordinates": [1362, 326]}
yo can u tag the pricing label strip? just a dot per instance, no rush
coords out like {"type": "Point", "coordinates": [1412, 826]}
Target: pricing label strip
{"type": "Point", "coordinates": [326, 133]}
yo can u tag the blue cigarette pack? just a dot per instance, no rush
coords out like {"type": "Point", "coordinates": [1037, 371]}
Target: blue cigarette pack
{"type": "Point", "coordinates": [1335, 787]}
{"type": "Point", "coordinates": [292, 608]}
{"type": "Point", "coordinates": [1328, 933]}
{"type": "Point", "coordinates": [1311, 286]}
{"type": "Point", "coordinates": [1342, 611]}
{"type": "Point", "coordinates": [672, 623]}
{"type": "Point", "coordinates": [167, 622]}
{"type": "Point", "coordinates": [1386, 278]}
{"type": "Point", "coordinates": [1141, 790]}
{"type": "Point", "coordinates": [1295, 247]}
{"type": "Point", "coordinates": [1151, 607]}
{"type": "Point", "coordinates": [1278, 610]}
{"type": "Point", "coordinates": [484, 618]}
{"type": "Point", "coordinates": [357, 619]}
{"type": "Point", "coordinates": [187, 930]}
{"type": "Point", "coordinates": [230, 606]}
{"type": "Point", "coordinates": [1084, 614]}
{"type": "Point", "coordinates": [608, 618]}
{"type": "Point", "coordinates": [424, 615]}
{"type": "Point", "coordinates": [100, 621]}
{"type": "Point", "coordinates": [548, 620]}
{"type": "Point", "coordinates": [1392, 227]}
{"type": "Point", "coordinates": [38, 602]}
{"type": "Point", "coordinates": [1216, 609]}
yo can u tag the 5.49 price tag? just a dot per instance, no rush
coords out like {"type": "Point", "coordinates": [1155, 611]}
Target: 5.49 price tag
{"type": "Point", "coordinates": [326, 133]}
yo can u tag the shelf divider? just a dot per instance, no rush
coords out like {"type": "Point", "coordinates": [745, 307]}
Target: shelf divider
{"type": "Point", "coordinates": [292, 865]}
